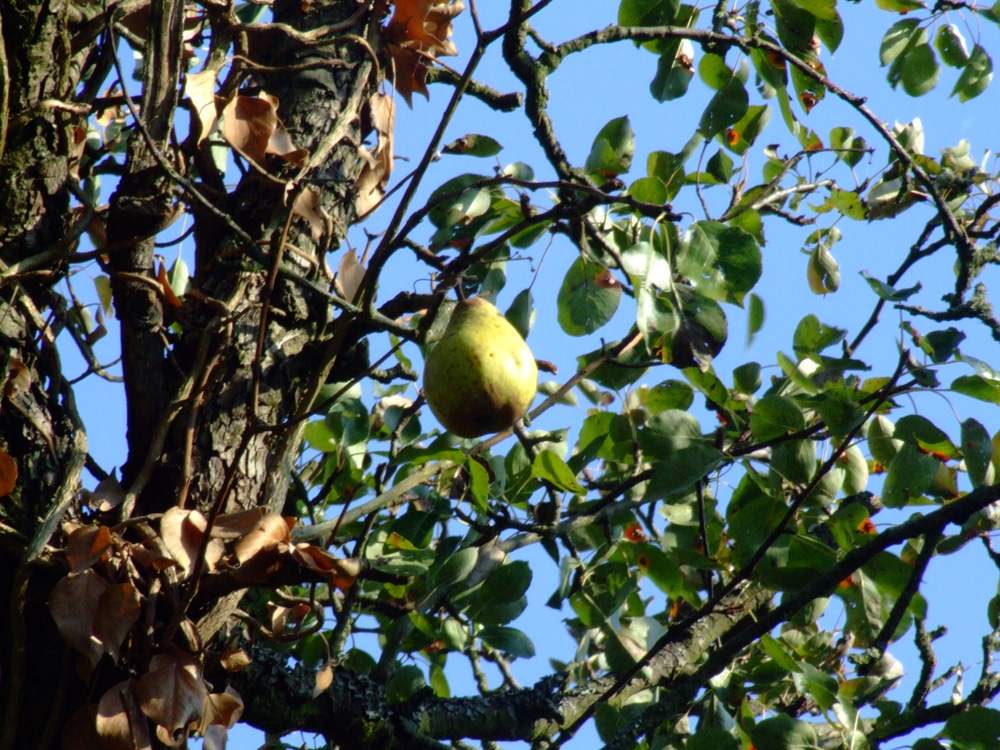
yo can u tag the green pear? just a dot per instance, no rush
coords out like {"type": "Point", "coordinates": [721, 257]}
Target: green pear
{"type": "Point", "coordinates": [480, 377]}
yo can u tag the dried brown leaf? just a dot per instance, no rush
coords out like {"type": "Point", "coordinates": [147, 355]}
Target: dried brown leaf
{"type": "Point", "coordinates": [18, 378]}
{"type": "Point", "coordinates": [408, 72]}
{"type": "Point", "coordinates": [117, 611]}
{"type": "Point", "coordinates": [418, 32]}
{"type": "Point", "coordinates": [280, 143]}
{"type": "Point", "coordinates": [107, 495]}
{"type": "Point", "coordinates": [370, 184]}
{"type": "Point", "coordinates": [80, 731]}
{"type": "Point", "coordinates": [382, 111]}
{"type": "Point", "coordinates": [307, 204]}
{"type": "Point", "coordinates": [73, 603]}
{"type": "Point", "coordinates": [150, 557]}
{"type": "Point", "coordinates": [86, 545]}
{"type": "Point", "coordinates": [172, 694]}
{"type": "Point", "coordinates": [215, 737]}
{"type": "Point", "coordinates": [8, 473]}
{"type": "Point", "coordinates": [223, 709]}
{"type": "Point", "coordinates": [118, 723]}
{"type": "Point", "coordinates": [168, 291]}
{"type": "Point", "coordinates": [247, 123]}
{"type": "Point", "coordinates": [200, 89]}
{"type": "Point", "coordinates": [324, 678]}
{"type": "Point", "coordinates": [337, 572]}
{"type": "Point", "coordinates": [235, 525]}
{"type": "Point", "coordinates": [182, 532]}
{"type": "Point", "coordinates": [234, 659]}
{"type": "Point", "coordinates": [438, 23]}
{"type": "Point", "coordinates": [279, 617]}
{"type": "Point", "coordinates": [350, 275]}
{"type": "Point", "coordinates": [272, 530]}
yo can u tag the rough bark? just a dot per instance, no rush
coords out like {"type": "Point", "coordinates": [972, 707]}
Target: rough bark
{"type": "Point", "coordinates": [204, 415]}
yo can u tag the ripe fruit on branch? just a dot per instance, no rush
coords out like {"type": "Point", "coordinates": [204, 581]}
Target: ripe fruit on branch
{"type": "Point", "coordinates": [480, 377]}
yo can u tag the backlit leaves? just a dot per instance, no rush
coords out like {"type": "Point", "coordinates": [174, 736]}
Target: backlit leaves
{"type": "Point", "coordinates": [586, 300]}
{"type": "Point", "coordinates": [613, 148]}
{"type": "Point", "coordinates": [418, 32]}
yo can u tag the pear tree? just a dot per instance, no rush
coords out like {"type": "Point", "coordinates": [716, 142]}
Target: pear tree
{"type": "Point", "coordinates": [760, 315]}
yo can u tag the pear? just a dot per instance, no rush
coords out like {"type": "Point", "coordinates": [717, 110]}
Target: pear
{"type": "Point", "coordinates": [480, 377]}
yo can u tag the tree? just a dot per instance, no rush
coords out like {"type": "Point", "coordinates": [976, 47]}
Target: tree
{"type": "Point", "coordinates": [285, 490]}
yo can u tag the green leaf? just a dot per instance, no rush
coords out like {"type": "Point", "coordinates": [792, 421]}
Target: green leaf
{"type": "Point", "coordinates": [848, 203]}
{"type": "Point", "coordinates": [976, 728]}
{"type": "Point", "coordinates": [977, 449]}
{"type": "Point", "coordinates": [921, 432]}
{"type": "Point", "coordinates": [711, 738]}
{"type": "Point", "coordinates": [720, 166]}
{"type": "Point", "coordinates": [521, 313]}
{"type": "Point", "coordinates": [784, 733]}
{"type": "Point", "coordinates": [725, 109]}
{"type": "Point", "coordinates": [822, 9]}
{"type": "Point", "coordinates": [882, 443]}
{"type": "Point", "coordinates": [510, 641]}
{"type": "Point", "coordinates": [775, 416]}
{"type": "Point", "coordinates": [975, 77]}
{"type": "Point", "coordinates": [941, 345]}
{"type": "Point", "coordinates": [844, 138]}
{"type": "Point", "coordinates": [647, 12]}
{"type": "Point", "coordinates": [457, 567]}
{"type": "Point", "coordinates": [586, 299]}
{"type": "Point", "coordinates": [794, 461]}
{"type": "Point", "coordinates": [693, 334]}
{"type": "Point", "coordinates": [179, 277]}
{"type": "Point", "coordinates": [830, 31]}
{"type": "Point", "coordinates": [919, 70]}
{"type": "Point", "coordinates": [506, 584]}
{"type": "Point", "coordinates": [549, 467]}
{"type": "Point", "coordinates": [648, 190]}
{"type": "Point", "coordinates": [746, 130]}
{"type": "Point", "coordinates": [910, 475]}
{"type": "Point", "coordinates": [673, 75]}
{"type": "Point", "coordinates": [466, 205]}
{"type": "Point", "coordinates": [647, 266]}
{"type": "Point", "coordinates": [102, 284]}
{"type": "Point", "coordinates": [811, 336]}
{"type": "Point", "coordinates": [898, 38]}
{"type": "Point", "coordinates": [675, 474]}
{"type": "Point", "coordinates": [977, 387]}
{"type": "Point", "coordinates": [755, 317]}
{"type": "Point", "coordinates": [855, 470]}
{"type": "Point", "coordinates": [613, 149]}
{"type": "Point", "coordinates": [473, 145]}
{"type": "Point", "coordinates": [889, 293]}
{"type": "Point", "coordinates": [823, 273]}
{"type": "Point", "coordinates": [670, 394]}
{"type": "Point", "coordinates": [712, 69]}
{"type": "Point", "coordinates": [795, 25]}
{"type": "Point", "coordinates": [951, 46]}
{"type": "Point", "coordinates": [404, 683]}
{"type": "Point", "coordinates": [668, 432]}
{"type": "Point", "coordinates": [669, 169]}
{"type": "Point", "coordinates": [900, 6]}
{"type": "Point", "coordinates": [777, 651]}
{"type": "Point", "coordinates": [723, 263]}
{"type": "Point", "coordinates": [616, 374]}
{"type": "Point", "coordinates": [746, 378]}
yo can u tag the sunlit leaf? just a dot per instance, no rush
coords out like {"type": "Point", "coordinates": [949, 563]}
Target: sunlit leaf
{"type": "Point", "coordinates": [975, 76]}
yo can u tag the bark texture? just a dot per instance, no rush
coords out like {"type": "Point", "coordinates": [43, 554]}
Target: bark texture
{"type": "Point", "coordinates": [205, 408]}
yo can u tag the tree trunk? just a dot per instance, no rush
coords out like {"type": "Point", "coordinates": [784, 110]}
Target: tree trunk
{"type": "Point", "coordinates": [206, 409]}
